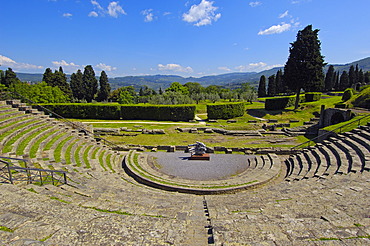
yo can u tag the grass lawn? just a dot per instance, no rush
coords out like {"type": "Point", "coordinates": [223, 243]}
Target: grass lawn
{"type": "Point", "coordinates": [304, 113]}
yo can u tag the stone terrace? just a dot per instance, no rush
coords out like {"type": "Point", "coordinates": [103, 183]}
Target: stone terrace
{"type": "Point", "coordinates": [316, 200]}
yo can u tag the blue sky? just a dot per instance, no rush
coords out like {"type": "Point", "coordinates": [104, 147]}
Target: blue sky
{"type": "Point", "coordinates": [182, 37]}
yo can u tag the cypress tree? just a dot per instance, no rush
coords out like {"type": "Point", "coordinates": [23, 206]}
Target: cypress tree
{"type": "Point", "coordinates": [304, 68]}
{"type": "Point", "coordinates": [104, 89]}
{"type": "Point", "coordinates": [90, 83]}
{"type": "Point", "coordinates": [280, 88]}
{"type": "Point", "coordinates": [360, 77]}
{"type": "Point", "coordinates": [262, 87]}
{"type": "Point", "coordinates": [330, 79]}
{"type": "Point", "coordinates": [351, 76]}
{"type": "Point", "coordinates": [344, 81]}
{"type": "Point", "coordinates": [60, 80]}
{"type": "Point", "coordinates": [271, 90]}
{"type": "Point", "coordinates": [76, 85]}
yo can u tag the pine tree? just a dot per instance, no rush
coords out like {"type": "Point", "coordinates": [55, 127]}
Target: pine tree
{"type": "Point", "coordinates": [10, 78]}
{"type": "Point", "coordinates": [352, 76]}
{"type": "Point", "coordinates": [304, 68]}
{"type": "Point", "coordinates": [344, 81]}
{"type": "Point", "coordinates": [271, 90]}
{"type": "Point", "coordinates": [262, 87]}
{"type": "Point", "coordinates": [90, 83]}
{"type": "Point", "coordinates": [60, 80]}
{"type": "Point", "coordinates": [360, 78]}
{"type": "Point", "coordinates": [280, 88]}
{"type": "Point", "coordinates": [76, 85]}
{"type": "Point", "coordinates": [104, 89]}
{"type": "Point", "coordinates": [330, 79]}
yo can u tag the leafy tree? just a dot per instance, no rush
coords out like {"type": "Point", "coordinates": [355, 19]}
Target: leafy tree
{"type": "Point", "coordinates": [213, 89]}
{"type": "Point", "coordinates": [90, 83]}
{"type": "Point", "coordinates": [330, 79]}
{"type": "Point", "coordinates": [10, 78]}
{"type": "Point", "coordinates": [271, 90]}
{"type": "Point", "coordinates": [194, 88]}
{"type": "Point", "coordinates": [125, 97]}
{"type": "Point", "coordinates": [104, 89]}
{"type": "Point", "coordinates": [171, 97]}
{"type": "Point", "coordinates": [197, 97]}
{"type": "Point", "coordinates": [177, 87]}
{"type": "Point", "coordinates": [262, 87]}
{"type": "Point", "coordinates": [76, 85]}
{"type": "Point", "coordinates": [304, 68]}
{"type": "Point", "coordinates": [115, 95]}
{"type": "Point", "coordinates": [367, 77]}
{"type": "Point", "coordinates": [213, 97]}
{"type": "Point", "coordinates": [344, 81]}
{"type": "Point", "coordinates": [48, 77]}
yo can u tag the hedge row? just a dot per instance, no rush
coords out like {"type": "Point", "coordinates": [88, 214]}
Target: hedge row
{"type": "Point", "coordinates": [312, 96]}
{"type": "Point", "coordinates": [126, 112]}
{"type": "Point", "coordinates": [158, 112]}
{"type": "Point", "coordinates": [278, 103]}
{"type": "Point", "coordinates": [225, 110]}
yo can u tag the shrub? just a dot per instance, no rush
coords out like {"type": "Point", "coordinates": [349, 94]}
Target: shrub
{"type": "Point", "coordinates": [85, 111]}
{"type": "Point", "coordinates": [362, 99]}
{"type": "Point", "coordinates": [313, 96]}
{"type": "Point", "coordinates": [348, 93]}
{"type": "Point", "coordinates": [158, 112]}
{"type": "Point", "coordinates": [225, 110]}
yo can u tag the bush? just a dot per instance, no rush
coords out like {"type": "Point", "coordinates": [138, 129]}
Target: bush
{"type": "Point", "coordinates": [362, 99]}
{"type": "Point", "coordinates": [85, 111]}
{"type": "Point", "coordinates": [347, 94]}
{"type": "Point", "coordinates": [313, 96]}
{"type": "Point", "coordinates": [158, 112]}
{"type": "Point", "coordinates": [277, 103]}
{"type": "Point", "coordinates": [225, 110]}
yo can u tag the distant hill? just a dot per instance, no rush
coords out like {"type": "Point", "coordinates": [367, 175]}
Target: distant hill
{"type": "Point", "coordinates": [228, 80]}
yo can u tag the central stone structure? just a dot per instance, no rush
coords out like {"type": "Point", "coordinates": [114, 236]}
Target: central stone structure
{"type": "Point", "coordinates": [198, 151]}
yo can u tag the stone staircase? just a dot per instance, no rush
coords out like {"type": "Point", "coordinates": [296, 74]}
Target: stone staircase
{"type": "Point", "coordinates": [347, 153]}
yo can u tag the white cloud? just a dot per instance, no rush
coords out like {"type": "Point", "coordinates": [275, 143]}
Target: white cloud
{"type": "Point", "coordinates": [255, 4]}
{"type": "Point", "coordinates": [166, 13]}
{"type": "Point", "coordinates": [275, 29]}
{"type": "Point", "coordinates": [67, 67]}
{"type": "Point", "coordinates": [113, 9]}
{"type": "Point", "coordinates": [224, 69]}
{"type": "Point", "coordinates": [7, 62]}
{"type": "Point", "coordinates": [283, 14]}
{"type": "Point", "coordinates": [93, 14]}
{"type": "Point", "coordinates": [203, 14]}
{"type": "Point", "coordinates": [67, 15]}
{"type": "Point", "coordinates": [256, 67]}
{"type": "Point", "coordinates": [149, 16]}
{"type": "Point", "coordinates": [174, 68]}
{"type": "Point", "coordinates": [105, 67]}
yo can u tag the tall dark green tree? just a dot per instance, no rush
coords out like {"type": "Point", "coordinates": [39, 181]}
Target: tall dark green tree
{"type": "Point", "coordinates": [352, 76]}
{"type": "Point", "coordinates": [60, 80]}
{"type": "Point", "coordinates": [262, 87]}
{"type": "Point", "coordinates": [280, 87]}
{"type": "Point", "coordinates": [344, 81]}
{"type": "Point", "coordinates": [360, 77]}
{"type": "Point", "coordinates": [90, 83]}
{"type": "Point", "coordinates": [2, 76]}
{"type": "Point", "coordinates": [77, 85]}
{"type": "Point", "coordinates": [10, 78]}
{"type": "Point", "coordinates": [330, 79]}
{"type": "Point", "coordinates": [271, 88]}
{"type": "Point", "coordinates": [104, 89]}
{"type": "Point", "coordinates": [304, 68]}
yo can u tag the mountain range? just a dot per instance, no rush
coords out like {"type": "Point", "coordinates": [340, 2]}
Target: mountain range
{"type": "Point", "coordinates": [227, 80]}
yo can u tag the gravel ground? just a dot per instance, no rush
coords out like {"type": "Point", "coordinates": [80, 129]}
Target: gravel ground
{"type": "Point", "coordinates": [218, 167]}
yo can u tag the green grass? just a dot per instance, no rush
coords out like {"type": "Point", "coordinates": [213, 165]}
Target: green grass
{"type": "Point", "coordinates": [7, 229]}
{"type": "Point", "coordinates": [94, 153]}
{"type": "Point", "coordinates": [108, 162]}
{"type": "Point", "coordinates": [349, 125]}
{"type": "Point", "coordinates": [77, 155]}
{"type": "Point", "coordinates": [23, 144]}
{"type": "Point", "coordinates": [68, 154]}
{"type": "Point", "coordinates": [101, 161]}
{"type": "Point", "coordinates": [36, 145]}
{"type": "Point", "coordinates": [7, 133]}
{"type": "Point", "coordinates": [9, 144]}
{"type": "Point", "coordinates": [59, 200]}
{"type": "Point", "coordinates": [86, 156]}
{"type": "Point", "coordinates": [109, 211]}
{"type": "Point", "coordinates": [52, 141]}
{"type": "Point", "coordinates": [58, 149]}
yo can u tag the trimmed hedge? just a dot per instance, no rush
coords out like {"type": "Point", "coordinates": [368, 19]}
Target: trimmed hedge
{"type": "Point", "coordinates": [313, 96]}
{"type": "Point", "coordinates": [85, 111]}
{"type": "Point", "coordinates": [278, 103]}
{"type": "Point", "coordinates": [225, 110]}
{"type": "Point", "coordinates": [158, 112]}
{"type": "Point", "coordinates": [347, 94]}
